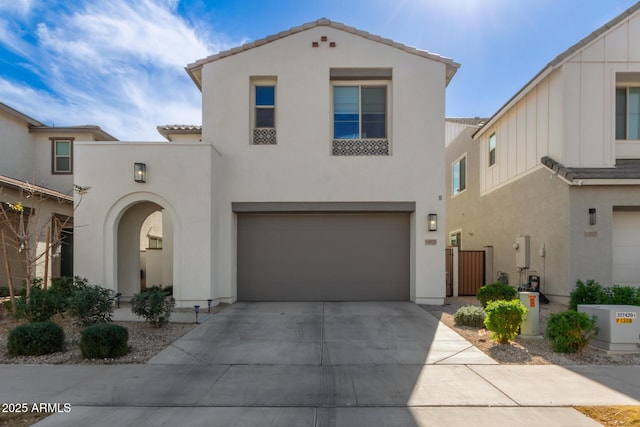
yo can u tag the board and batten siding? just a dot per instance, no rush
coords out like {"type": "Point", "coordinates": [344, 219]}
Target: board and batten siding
{"type": "Point", "coordinates": [566, 113]}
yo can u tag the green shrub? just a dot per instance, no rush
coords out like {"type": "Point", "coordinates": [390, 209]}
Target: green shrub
{"type": "Point", "coordinates": [154, 305]}
{"type": "Point", "coordinates": [570, 331]}
{"type": "Point", "coordinates": [495, 292]}
{"type": "Point", "coordinates": [624, 295]}
{"type": "Point", "coordinates": [40, 305]}
{"type": "Point", "coordinates": [504, 319]}
{"type": "Point", "coordinates": [35, 339]}
{"type": "Point", "coordinates": [168, 290]}
{"type": "Point", "coordinates": [104, 341]}
{"type": "Point", "coordinates": [587, 293]}
{"type": "Point", "coordinates": [593, 293]}
{"type": "Point", "coordinates": [65, 286]}
{"type": "Point", "coordinates": [91, 305]}
{"type": "Point", "coordinates": [470, 315]}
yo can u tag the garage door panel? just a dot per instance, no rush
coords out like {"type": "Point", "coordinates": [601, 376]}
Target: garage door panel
{"type": "Point", "coordinates": [626, 247]}
{"type": "Point", "coordinates": [296, 257]}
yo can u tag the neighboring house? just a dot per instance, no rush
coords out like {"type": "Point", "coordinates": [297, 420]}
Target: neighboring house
{"type": "Point", "coordinates": [36, 170]}
{"type": "Point", "coordinates": [316, 175]}
{"type": "Point", "coordinates": [553, 178]}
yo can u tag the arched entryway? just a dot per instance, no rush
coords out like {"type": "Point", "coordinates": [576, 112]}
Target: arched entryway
{"type": "Point", "coordinates": [144, 248]}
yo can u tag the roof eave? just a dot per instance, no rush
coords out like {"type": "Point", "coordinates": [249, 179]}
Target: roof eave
{"type": "Point", "coordinates": [194, 69]}
{"type": "Point", "coordinates": [21, 116]}
{"type": "Point", "coordinates": [96, 131]}
{"type": "Point", "coordinates": [17, 184]}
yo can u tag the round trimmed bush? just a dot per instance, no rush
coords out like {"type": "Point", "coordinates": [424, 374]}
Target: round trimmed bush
{"type": "Point", "coordinates": [570, 331]}
{"type": "Point", "coordinates": [504, 319]}
{"type": "Point", "coordinates": [104, 341]}
{"type": "Point", "coordinates": [470, 315]}
{"type": "Point", "coordinates": [495, 292]}
{"type": "Point", "coordinates": [35, 339]}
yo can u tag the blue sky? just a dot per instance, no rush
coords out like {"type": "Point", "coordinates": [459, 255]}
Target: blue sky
{"type": "Point", "coordinates": [120, 63]}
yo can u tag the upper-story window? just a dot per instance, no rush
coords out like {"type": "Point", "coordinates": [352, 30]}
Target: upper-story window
{"type": "Point", "coordinates": [459, 175]}
{"type": "Point", "coordinates": [492, 149]}
{"type": "Point", "coordinates": [263, 116]}
{"type": "Point", "coordinates": [628, 113]}
{"type": "Point", "coordinates": [360, 111]}
{"type": "Point", "coordinates": [62, 156]}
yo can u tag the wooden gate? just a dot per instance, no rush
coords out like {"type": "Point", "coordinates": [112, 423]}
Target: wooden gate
{"type": "Point", "coordinates": [470, 272]}
{"type": "Point", "coordinates": [449, 271]}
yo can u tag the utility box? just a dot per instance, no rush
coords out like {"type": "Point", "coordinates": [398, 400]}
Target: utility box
{"type": "Point", "coordinates": [531, 325]}
{"type": "Point", "coordinates": [522, 252]}
{"type": "Point", "coordinates": [619, 326]}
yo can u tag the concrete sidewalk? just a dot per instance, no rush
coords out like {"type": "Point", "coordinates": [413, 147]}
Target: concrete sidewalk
{"type": "Point", "coordinates": [320, 364]}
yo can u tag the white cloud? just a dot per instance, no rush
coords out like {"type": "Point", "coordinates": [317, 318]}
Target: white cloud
{"type": "Point", "coordinates": [118, 64]}
{"type": "Point", "coordinates": [21, 7]}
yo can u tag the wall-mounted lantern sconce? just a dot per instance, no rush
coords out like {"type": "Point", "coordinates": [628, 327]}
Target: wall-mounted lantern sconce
{"type": "Point", "coordinates": [433, 222]}
{"type": "Point", "coordinates": [592, 216]}
{"type": "Point", "coordinates": [140, 172]}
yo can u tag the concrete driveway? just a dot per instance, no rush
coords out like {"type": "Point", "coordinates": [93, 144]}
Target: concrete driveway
{"type": "Point", "coordinates": [319, 364]}
{"type": "Point", "coordinates": [322, 334]}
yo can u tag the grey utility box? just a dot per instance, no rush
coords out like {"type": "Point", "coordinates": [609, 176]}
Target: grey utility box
{"type": "Point", "coordinates": [531, 325]}
{"type": "Point", "coordinates": [619, 326]}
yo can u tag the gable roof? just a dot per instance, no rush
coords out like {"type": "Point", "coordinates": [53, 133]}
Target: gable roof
{"type": "Point", "coordinates": [36, 126]}
{"type": "Point", "coordinates": [21, 116]}
{"type": "Point", "coordinates": [557, 62]}
{"type": "Point", "coordinates": [195, 69]}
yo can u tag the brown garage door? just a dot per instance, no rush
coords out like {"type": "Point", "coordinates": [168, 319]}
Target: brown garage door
{"type": "Point", "coordinates": [323, 257]}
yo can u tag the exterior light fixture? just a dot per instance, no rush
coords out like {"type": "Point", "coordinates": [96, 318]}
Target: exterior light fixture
{"type": "Point", "coordinates": [592, 216]}
{"type": "Point", "coordinates": [118, 296]}
{"type": "Point", "coordinates": [433, 222]}
{"type": "Point", "coordinates": [196, 308]}
{"type": "Point", "coordinates": [209, 304]}
{"type": "Point", "coordinates": [140, 172]}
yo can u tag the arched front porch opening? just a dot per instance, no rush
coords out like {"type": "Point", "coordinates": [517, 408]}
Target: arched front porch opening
{"type": "Point", "coordinates": [144, 248]}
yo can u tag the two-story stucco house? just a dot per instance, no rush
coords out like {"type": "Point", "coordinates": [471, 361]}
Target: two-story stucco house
{"type": "Point", "coordinates": [36, 169]}
{"type": "Point", "coordinates": [554, 175]}
{"type": "Point", "coordinates": [318, 174]}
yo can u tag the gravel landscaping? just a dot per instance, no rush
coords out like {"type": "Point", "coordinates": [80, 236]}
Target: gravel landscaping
{"type": "Point", "coordinates": [525, 351]}
{"type": "Point", "coordinates": [146, 341]}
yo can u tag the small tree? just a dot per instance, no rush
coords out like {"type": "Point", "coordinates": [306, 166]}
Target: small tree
{"type": "Point", "coordinates": [29, 235]}
{"type": "Point", "coordinates": [154, 305]}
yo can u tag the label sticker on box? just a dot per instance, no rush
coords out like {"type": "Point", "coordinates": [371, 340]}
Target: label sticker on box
{"type": "Point", "coordinates": [625, 317]}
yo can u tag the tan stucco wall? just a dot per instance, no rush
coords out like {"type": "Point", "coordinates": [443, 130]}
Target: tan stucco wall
{"type": "Point", "coordinates": [535, 205]}
{"type": "Point", "coordinates": [591, 246]}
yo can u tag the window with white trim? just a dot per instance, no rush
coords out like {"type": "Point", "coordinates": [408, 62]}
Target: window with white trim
{"type": "Point", "coordinates": [492, 149]}
{"type": "Point", "coordinates": [263, 114]}
{"type": "Point", "coordinates": [62, 156]}
{"type": "Point", "coordinates": [459, 175]}
{"type": "Point", "coordinates": [628, 113]}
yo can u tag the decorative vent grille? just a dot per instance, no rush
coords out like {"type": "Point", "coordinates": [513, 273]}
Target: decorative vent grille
{"type": "Point", "coordinates": [264, 136]}
{"type": "Point", "coordinates": [360, 147]}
